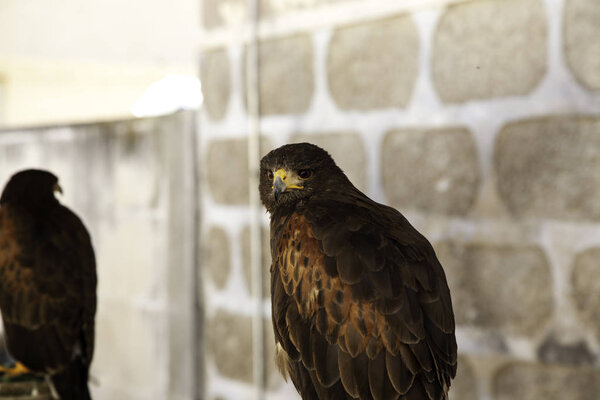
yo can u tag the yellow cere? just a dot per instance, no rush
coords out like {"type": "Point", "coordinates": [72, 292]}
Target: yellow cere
{"type": "Point", "coordinates": [280, 173]}
{"type": "Point", "coordinates": [290, 183]}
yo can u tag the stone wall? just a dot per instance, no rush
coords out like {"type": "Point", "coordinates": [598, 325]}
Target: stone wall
{"type": "Point", "coordinates": [132, 183]}
{"type": "Point", "coordinates": [479, 120]}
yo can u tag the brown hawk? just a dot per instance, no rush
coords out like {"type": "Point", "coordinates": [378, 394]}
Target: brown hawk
{"type": "Point", "coordinates": [47, 284]}
{"type": "Point", "coordinates": [360, 304]}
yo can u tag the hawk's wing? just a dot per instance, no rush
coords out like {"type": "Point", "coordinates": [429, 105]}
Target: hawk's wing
{"type": "Point", "coordinates": [364, 300]}
{"type": "Point", "coordinates": [47, 287]}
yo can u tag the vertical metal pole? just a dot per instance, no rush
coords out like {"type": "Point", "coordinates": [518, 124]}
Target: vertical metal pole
{"type": "Point", "coordinates": [198, 303]}
{"type": "Point", "coordinates": [252, 94]}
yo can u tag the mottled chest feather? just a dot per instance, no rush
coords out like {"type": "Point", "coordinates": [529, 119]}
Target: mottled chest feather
{"type": "Point", "coordinates": [298, 263]}
{"type": "Point", "coordinates": [310, 277]}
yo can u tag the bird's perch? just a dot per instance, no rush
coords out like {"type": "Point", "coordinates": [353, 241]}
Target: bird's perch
{"type": "Point", "coordinates": [31, 389]}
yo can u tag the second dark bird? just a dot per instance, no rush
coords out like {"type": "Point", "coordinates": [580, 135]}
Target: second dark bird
{"type": "Point", "coordinates": [47, 284]}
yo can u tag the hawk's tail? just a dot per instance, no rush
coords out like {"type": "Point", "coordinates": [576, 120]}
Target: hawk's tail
{"type": "Point", "coordinates": [72, 382]}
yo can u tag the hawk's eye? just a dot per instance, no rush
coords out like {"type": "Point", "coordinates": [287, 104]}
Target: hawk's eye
{"type": "Point", "coordinates": [270, 175]}
{"type": "Point", "coordinates": [304, 174]}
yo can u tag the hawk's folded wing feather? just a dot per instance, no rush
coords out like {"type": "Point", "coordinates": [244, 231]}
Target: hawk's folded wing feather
{"type": "Point", "coordinates": [364, 300]}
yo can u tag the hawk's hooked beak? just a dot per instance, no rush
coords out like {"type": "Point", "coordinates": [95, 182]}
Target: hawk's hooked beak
{"type": "Point", "coordinates": [282, 181]}
{"type": "Point", "coordinates": [57, 188]}
{"type": "Point", "coordinates": [278, 187]}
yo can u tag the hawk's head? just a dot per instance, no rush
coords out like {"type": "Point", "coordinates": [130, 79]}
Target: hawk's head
{"type": "Point", "coordinates": [294, 172]}
{"type": "Point", "coordinates": [32, 188]}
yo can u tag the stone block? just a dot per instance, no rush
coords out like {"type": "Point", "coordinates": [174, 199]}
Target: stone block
{"type": "Point", "coordinates": [499, 287]}
{"type": "Point", "coordinates": [373, 65]}
{"type": "Point", "coordinates": [550, 168]}
{"type": "Point", "coordinates": [266, 261]}
{"type": "Point", "coordinates": [348, 151]}
{"type": "Point", "coordinates": [553, 350]}
{"type": "Point", "coordinates": [230, 342]}
{"type": "Point", "coordinates": [585, 279]}
{"type": "Point", "coordinates": [487, 49]}
{"type": "Point", "coordinates": [529, 381]}
{"type": "Point", "coordinates": [216, 82]}
{"type": "Point", "coordinates": [227, 169]}
{"type": "Point", "coordinates": [464, 385]}
{"type": "Point", "coordinates": [582, 41]}
{"type": "Point", "coordinates": [432, 170]}
{"type": "Point", "coordinates": [286, 76]}
{"type": "Point", "coordinates": [216, 256]}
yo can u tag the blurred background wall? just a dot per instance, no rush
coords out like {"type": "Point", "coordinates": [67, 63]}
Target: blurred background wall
{"type": "Point", "coordinates": [479, 120]}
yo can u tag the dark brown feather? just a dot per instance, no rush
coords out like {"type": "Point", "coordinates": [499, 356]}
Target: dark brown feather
{"type": "Point", "coordinates": [379, 379]}
{"type": "Point", "coordinates": [350, 268]}
{"type": "Point", "coordinates": [408, 359]}
{"type": "Point", "coordinates": [423, 355]}
{"type": "Point", "coordinates": [347, 373]}
{"type": "Point", "coordinates": [325, 359]}
{"type": "Point", "coordinates": [400, 377]}
{"type": "Point", "coordinates": [417, 392]}
{"type": "Point", "coordinates": [354, 340]}
{"type": "Point", "coordinates": [398, 326]}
